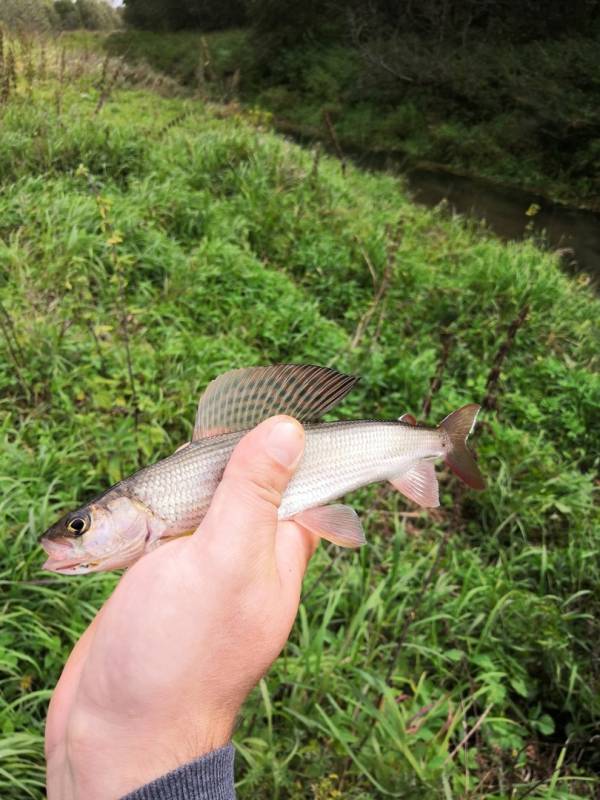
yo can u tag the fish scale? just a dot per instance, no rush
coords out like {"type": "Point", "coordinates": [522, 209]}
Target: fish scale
{"type": "Point", "coordinates": [339, 457]}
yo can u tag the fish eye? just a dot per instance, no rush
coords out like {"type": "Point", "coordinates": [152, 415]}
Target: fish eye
{"type": "Point", "coordinates": [78, 525]}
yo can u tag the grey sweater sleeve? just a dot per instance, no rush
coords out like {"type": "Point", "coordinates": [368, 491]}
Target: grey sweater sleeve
{"type": "Point", "coordinates": [208, 778]}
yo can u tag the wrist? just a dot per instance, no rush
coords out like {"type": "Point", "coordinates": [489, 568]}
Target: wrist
{"type": "Point", "coordinates": [104, 760]}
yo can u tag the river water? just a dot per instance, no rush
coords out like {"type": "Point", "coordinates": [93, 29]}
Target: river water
{"type": "Point", "coordinates": [510, 213]}
{"type": "Point", "coordinates": [575, 233]}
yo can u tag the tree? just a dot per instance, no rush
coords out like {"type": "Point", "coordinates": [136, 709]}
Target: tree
{"type": "Point", "coordinates": [178, 14]}
{"type": "Point", "coordinates": [28, 15]}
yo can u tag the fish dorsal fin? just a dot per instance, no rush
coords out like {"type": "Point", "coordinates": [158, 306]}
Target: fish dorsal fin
{"type": "Point", "coordinates": [241, 398]}
{"type": "Point", "coordinates": [419, 484]}
{"type": "Point", "coordinates": [408, 419]}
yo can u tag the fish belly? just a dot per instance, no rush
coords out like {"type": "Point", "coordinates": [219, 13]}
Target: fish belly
{"type": "Point", "coordinates": [341, 457]}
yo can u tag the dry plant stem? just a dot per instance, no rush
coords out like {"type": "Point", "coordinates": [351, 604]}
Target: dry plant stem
{"type": "Point", "coordinates": [104, 73]}
{"type": "Point", "coordinates": [61, 82]}
{"type": "Point", "coordinates": [11, 70]}
{"type": "Point", "coordinates": [314, 172]}
{"type": "Point", "coordinates": [42, 68]}
{"type": "Point", "coordinates": [466, 738]}
{"type": "Point", "coordinates": [8, 329]}
{"type": "Point", "coordinates": [531, 789]}
{"type": "Point", "coordinates": [381, 289]}
{"type": "Point", "coordinates": [110, 85]}
{"type": "Point", "coordinates": [233, 86]}
{"type": "Point", "coordinates": [436, 381]}
{"type": "Point", "coordinates": [326, 569]}
{"type": "Point", "coordinates": [108, 228]}
{"type": "Point", "coordinates": [134, 398]}
{"type": "Point", "coordinates": [1, 54]}
{"type": "Point", "coordinates": [176, 121]}
{"type": "Point", "coordinates": [206, 61]}
{"type": "Point", "coordinates": [334, 140]}
{"type": "Point", "coordinates": [490, 400]}
{"type": "Point", "coordinates": [202, 91]}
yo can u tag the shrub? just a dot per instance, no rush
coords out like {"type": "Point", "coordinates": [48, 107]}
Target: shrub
{"type": "Point", "coordinates": [28, 15]}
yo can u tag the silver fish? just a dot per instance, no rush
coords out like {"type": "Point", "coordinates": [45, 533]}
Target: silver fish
{"type": "Point", "coordinates": [169, 499]}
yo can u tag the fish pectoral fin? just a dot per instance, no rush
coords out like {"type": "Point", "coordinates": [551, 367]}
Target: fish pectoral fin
{"type": "Point", "coordinates": [241, 398]}
{"type": "Point", "coordinates": [337, 523]}
{"type": "Point", "coordinates": [419, 484]}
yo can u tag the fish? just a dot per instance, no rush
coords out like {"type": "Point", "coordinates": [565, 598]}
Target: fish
{"type": "Point", "coordinates": [169, 499]}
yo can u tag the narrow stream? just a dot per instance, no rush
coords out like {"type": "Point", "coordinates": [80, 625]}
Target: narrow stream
{"type": "Point", "coordinates": [573, 232]}
{"type": "Point", "coordinates": [576, 233]}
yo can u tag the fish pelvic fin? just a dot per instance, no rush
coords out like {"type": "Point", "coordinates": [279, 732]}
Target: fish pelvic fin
{"type": "Point", "coordinates": [458, 457]}
{"type": "Point", "coordinates": [337, 523]}
{"type": "Point", "coordinates": [419, 484]}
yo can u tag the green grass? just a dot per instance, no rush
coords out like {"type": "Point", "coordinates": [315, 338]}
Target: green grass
{"type": "Point", "coordinates": [225, 245]}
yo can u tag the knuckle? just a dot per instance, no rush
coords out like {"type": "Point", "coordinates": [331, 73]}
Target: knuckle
{"type": "Point", "coordinates": [254, 488]}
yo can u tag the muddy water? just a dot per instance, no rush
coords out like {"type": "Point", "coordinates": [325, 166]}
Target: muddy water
{"type": "Point", "coordinates": [573, 232]}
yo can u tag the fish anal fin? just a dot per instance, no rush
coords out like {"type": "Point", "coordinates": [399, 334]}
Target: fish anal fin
{"type": "Point", "coordinates": [337, 523]}
{"type": "Point", "coordinates": [241, 398]}
{"type": "Point", "coordinates": [419, 484]}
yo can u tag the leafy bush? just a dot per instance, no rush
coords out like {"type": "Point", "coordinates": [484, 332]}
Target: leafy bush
{"type": "Point", "coordinates": [27, 15]}
{"type": "Point", "coordinates": [96, 15]}
{"type": "Point", "coordinates": [46, 15]}
{"type": "Point", "coordinates": [179, 55]}
{"type": "Point", "coordinates": [202, 14]}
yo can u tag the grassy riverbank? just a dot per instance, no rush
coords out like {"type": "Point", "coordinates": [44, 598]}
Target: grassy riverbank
{"type": "Point", "coordinates": [457, 655]}
{"type": "Point", "coordinates": [522, 114]}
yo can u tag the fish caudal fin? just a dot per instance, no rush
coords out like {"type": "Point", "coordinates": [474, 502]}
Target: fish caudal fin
{"type": "Point", "coordinates": [337, 523]}
{"type": "Point", "coordinates": [458, 426]}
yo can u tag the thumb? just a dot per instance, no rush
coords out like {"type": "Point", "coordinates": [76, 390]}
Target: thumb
{"type": "Point", "coordinates": [247, 500]}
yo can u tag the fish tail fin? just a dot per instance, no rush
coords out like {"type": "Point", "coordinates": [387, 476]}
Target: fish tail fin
{"type": "Point", "coordinates": [458, 426]}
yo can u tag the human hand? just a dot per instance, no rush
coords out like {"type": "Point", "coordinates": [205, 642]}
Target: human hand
{"type": "Point", "coordinates": [160, 674]}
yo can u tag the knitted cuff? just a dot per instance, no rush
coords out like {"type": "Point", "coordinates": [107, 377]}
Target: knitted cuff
{"type": "Point", "coordinates": [208, 778]}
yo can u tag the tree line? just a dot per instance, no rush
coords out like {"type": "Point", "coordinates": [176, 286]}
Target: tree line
{"type": "Point", "coordinates": [292, 20]}
{"type": "Point", "coordinates": [46, 15]}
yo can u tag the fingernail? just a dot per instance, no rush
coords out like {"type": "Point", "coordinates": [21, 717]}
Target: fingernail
{"type": "Point", "coordinates": [285, 443]}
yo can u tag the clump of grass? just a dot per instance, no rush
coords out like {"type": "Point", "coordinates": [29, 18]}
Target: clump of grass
{"type": "Point", "coordinates": [456, 655]}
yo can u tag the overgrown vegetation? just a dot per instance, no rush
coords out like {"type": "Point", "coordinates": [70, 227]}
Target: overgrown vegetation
{"type": "Point", "coordinates": [455, 656]}
{"type": "Point", "coordinates": [503, 90]}
{"type": "Point", "coordinates": [54, 15]}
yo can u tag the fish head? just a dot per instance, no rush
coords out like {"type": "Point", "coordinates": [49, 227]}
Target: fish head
{"type": "Point", "coordinates": [109, 533]}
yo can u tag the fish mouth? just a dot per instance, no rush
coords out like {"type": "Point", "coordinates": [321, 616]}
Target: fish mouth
{"type": "Point", "coordinates": [68, 566]}
{"type": "Point", "coordinates": [62, 558]}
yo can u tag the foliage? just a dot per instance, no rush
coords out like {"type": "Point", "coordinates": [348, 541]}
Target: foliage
{"type": "Point", "coordinates": [27, 15]}
{"type": "Point", "coordinates": [455, 656]}
{"type": "Point", "coordinates": [291, 21]}
{"type": "Point", "coordinates": [180, 54]}
{"type": "Point", "coordinates": [46, 15]}
{"type": "Point", "coordinates": [204, 14]}
{"type": "Point", "coordinates": [90, 14]}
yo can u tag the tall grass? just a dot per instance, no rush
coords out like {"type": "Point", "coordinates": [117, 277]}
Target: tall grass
{"type": "Point", "coordinates": [149, 243]}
